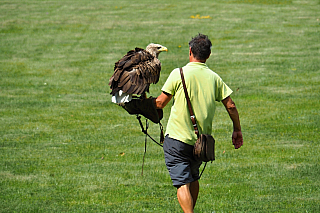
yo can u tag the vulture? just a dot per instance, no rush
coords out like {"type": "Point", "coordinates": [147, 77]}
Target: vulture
{"type": "Point", "coordinates": [134, 73]}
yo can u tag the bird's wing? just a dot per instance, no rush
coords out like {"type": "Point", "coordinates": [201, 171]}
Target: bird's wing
{"type": "Point", "coordinates": [135, 72]}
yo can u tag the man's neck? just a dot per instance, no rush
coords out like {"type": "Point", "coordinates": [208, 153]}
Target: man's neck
{"type": "Point", "coordinates": [196, 60]}
{"type": "Point", "coordinates": [193, 59]}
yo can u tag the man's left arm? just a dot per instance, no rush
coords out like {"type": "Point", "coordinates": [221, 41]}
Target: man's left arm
{"type": "Point", "coordinates": [230, 106]}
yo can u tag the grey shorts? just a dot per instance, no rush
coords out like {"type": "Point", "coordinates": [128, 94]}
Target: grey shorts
{"type": "Point", "coordinates": [182, 166]}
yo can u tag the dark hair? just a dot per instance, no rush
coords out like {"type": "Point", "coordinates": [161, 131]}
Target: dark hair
{"type": "Point", "coordinates": [200, 47]}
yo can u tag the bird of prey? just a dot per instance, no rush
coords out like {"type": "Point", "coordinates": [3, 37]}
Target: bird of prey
{"type": "Point", "coordinates": [134, 73]}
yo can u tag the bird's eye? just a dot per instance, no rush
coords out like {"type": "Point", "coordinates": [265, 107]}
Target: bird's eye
{"type": "Point", "coordinates": [158, 48]}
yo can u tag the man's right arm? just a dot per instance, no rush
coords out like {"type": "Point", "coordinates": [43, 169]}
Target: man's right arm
{"type": "Point", "coordinates": [162, 100]}
{"type": "Point", "coordinates": [230, 106]}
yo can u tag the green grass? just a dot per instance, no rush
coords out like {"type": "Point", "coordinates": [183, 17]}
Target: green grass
{"type": "Point", "coordinates": [64, 147]}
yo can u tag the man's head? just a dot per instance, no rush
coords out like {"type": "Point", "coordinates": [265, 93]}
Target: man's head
{"type": "Point", "coordinates": [200, 47]}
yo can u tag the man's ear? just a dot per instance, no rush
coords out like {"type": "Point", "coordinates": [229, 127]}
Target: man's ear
{"type": "Point", "coordinates": [190, 51]}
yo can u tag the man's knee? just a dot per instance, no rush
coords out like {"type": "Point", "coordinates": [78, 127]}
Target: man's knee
{"type": "Point", "coordinates": [185, 186]}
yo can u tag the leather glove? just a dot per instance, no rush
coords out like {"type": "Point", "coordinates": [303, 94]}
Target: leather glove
{"type": "Point", "coordinates": [145, 107]}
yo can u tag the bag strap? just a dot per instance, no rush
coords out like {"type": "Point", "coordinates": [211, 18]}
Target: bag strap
{"type": "Point", "coordinates": [192, 116]}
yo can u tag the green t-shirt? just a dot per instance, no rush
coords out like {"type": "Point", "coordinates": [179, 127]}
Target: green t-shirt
{"type": "Point", "coordinates": [204, 87]}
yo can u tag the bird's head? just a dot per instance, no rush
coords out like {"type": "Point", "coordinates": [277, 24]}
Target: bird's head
{"type": "Point", "coordinates": [156, 49]}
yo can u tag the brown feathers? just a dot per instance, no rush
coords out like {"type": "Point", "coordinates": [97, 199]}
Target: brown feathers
{"type": "Point", "coordinates": [134, 73]}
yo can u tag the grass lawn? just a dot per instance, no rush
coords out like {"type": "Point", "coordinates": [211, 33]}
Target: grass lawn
{"type": "Point", "coordinates": [64, 147]}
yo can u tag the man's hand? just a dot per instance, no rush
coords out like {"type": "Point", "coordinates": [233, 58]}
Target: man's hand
{"type": "Point", "coordinates": [237, 139]}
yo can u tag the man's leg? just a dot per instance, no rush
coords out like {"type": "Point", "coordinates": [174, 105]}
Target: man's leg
{"type": "Point", "coordinates": [185, 198]}
{"type": "Point", "coordinates": [194, 190]}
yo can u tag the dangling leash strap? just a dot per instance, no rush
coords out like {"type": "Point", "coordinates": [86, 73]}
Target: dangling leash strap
{"type": "Point", "coordinates": [145, 131]}
{"type": "Point", "coordinates": [145, 143]}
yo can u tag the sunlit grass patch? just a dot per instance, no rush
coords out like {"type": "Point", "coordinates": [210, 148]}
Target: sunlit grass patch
{"type": "Point", "coordinates": [65, 147]}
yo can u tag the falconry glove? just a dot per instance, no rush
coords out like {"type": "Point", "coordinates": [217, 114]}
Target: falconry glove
{"type": "Point", "coordinates": [145, 107]}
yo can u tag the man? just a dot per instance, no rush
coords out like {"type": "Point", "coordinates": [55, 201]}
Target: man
{"type": "Point", "coordinates": [204, 88]}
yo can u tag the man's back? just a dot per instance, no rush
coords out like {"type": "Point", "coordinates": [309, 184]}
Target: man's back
{"type": "Point", "coordinates": [204, 88]}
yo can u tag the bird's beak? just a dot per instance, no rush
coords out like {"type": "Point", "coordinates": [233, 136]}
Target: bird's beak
{"type": "Point", "coordinates": [163, 49]}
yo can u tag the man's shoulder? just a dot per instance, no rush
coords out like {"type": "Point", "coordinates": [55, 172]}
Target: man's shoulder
{"type": "Point", "coordinates": [175, 73]}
